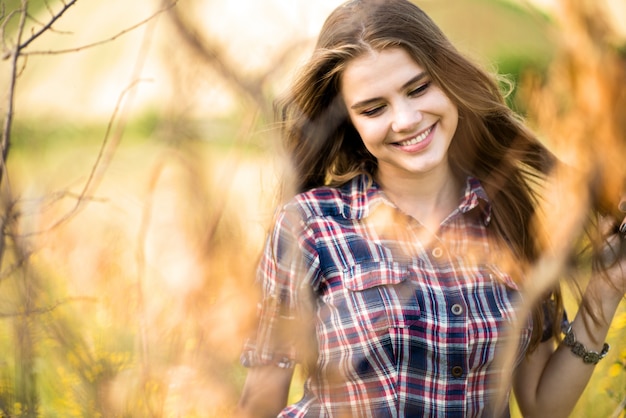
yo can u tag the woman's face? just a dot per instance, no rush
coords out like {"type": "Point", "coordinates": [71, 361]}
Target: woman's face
{"type": "Point", "coordinates": [404, 119]}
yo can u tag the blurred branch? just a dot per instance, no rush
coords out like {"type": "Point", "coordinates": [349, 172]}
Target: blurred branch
{"type": "Point", "coordinates": [46, 309]}
{"type": "Point", "coordinates": [18, 52]}
{"type": "Point", "coordinates": [11, 269]}
{"type": "Point", "coordinates": [140, 256]}
{"type": "Point", "coordinates": [620, 409]}
{"type": "Point", "coordinates": [111, 139]}
{"type": "Point", "coordinates": [117, 120]}
{"type": "Point", "coordinates": [14, 54]}
{"type": "Point", "coordinates": [31, 302]}
{"type": "Point", "coordinates": [7, 217]}
{"type": "Point", "coordinates": [228, 179]}
{"type": "Point", "coordinates": [104, 41]}
{"type": "Point", "coordinates": [211, 53]}
{"type": "Point", "coordinates": [102, 161]}
{"type": "Point", "coordinates": [5, 21]}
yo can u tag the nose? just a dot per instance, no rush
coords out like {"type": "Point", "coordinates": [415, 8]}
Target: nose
{"type": "Point", "coordinates": [406, 117]}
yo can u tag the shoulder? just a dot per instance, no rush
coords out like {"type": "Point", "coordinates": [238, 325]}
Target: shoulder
{"type": "Point", "coordinates": [350, 200]}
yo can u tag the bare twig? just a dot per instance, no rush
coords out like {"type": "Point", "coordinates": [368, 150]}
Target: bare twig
{"type": "Point", "coordinates": [101, 161]}
{"type": "Point", "coordinates": [60, 195]}
{"type": "Point", "coordinates": [103, 158]}
{"type": "Point", "coordinates": [47, 26]}
{"type": "Point", "coordinates": [104, 41]}
{"type": "Point", "coordinates": [51, 29]}
{"type": "Point", "coordinates": [105, 153]}
{"type": "Point", "coordinates": [8, 121]}
{"type": "Point", "coordinates": [3, 26]}
{"type": "Point", "coordinates": [45, 2]}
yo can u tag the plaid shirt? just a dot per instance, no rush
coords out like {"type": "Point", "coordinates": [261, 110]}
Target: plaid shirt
{"type": "Point", "coordinates": [395, 322]}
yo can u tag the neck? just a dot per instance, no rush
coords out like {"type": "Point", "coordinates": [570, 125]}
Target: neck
{"type": "Point", "coordinates": [429, 197]}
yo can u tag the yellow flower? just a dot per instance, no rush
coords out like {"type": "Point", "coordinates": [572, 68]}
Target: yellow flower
{"type": "Point", "coordinates": [615, 369]}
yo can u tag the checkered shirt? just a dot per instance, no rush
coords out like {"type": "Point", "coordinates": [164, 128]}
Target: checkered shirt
{"type": "Point", "coordinates": [392, 321]}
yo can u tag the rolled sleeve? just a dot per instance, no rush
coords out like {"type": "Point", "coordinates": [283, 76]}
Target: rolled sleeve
{"type": "Point", "coordinates": [284, 273]}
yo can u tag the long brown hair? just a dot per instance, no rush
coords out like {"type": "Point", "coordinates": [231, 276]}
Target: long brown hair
{"type": "Point", "coordinates": [491, 143]}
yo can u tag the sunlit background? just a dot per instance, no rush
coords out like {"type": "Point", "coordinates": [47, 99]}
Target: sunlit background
{"type": "Point", "coordinates": [142, 171]}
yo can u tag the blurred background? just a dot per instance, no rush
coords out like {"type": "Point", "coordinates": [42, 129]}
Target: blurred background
{"type": "Point", "coordinates": [141, 172]}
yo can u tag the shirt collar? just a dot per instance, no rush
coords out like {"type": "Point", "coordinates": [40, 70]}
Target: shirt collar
{"type": "Point", "coordinates": [474, 197]}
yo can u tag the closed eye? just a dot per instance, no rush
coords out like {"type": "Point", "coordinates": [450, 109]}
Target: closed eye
{"type": "Point", "coordinates": [372, 111]}
{"type": "Point", "coordinates": [419, 89]}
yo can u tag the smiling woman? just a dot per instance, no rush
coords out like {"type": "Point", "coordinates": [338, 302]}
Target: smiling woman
{"type": "Point", "coordinates": [395, 273]}
{"type": "Point", "coordinates": [407, 123]}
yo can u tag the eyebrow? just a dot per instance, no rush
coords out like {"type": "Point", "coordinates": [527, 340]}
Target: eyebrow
{"type": "Point", "coordinates": [365, 103]}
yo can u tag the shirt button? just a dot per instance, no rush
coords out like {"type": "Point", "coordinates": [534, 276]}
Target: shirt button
{"type": "Point", "coordinates": [457, 309]}
{"type": "Point", "coordinates": [457, 371]}
{"type": "Point", "coordinates": [437, 252]}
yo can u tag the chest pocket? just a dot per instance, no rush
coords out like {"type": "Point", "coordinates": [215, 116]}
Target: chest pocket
{"type": "Point", "coordinates": [381, 296]}
{"type": "Point", "coordinates": [505, 293]}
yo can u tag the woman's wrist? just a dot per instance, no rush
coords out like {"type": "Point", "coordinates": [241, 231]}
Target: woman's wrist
{"type": "Point", "coordinates": [579, 349]}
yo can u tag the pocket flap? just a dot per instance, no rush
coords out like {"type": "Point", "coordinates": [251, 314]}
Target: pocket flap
{"type": "Point", "coordinates": [495, 274]}
{"type": "Point", "coordinates": [375, 273]}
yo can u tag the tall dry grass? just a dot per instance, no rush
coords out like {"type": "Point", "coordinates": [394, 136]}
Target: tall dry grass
{"type": "Point", "coordinates": [138, 306]}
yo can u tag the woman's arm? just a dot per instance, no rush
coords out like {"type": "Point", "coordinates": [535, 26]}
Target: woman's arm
{"type": "Point", "coordinates": [549, 382]}
{"type": "Point", "coordinates": [265, 392]}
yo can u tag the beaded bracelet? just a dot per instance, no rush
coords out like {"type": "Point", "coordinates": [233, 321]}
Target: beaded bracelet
{"type": "Point", "coordinates": [589, 357]}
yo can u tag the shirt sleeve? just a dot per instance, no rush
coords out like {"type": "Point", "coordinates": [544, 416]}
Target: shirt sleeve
{"type": "Point", "coordinates": [284, 313]}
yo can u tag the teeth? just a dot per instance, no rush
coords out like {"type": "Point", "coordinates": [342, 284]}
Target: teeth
{"type": "Point", "coordinates": [417, 139]}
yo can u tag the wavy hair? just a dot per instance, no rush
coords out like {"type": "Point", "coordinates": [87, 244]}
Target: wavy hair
{"type": "Point", "coordinates": [491, 142]}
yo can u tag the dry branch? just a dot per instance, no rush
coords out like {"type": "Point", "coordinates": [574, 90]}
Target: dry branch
{"type": "Point", "coordinates": [620, 409]}
{"type": "Point", "coordinates": [104, 41]}
{"type": "Point", "coordinates": [45, 27]}
{"type": "Point", "coordinates": [101, 162]}
{"type": "Point", "coordinates": [211, 53]}
{"type": "Point", "coordinates": [29, 306]}
{"type": "Point", "coordinates": [111, 139]}
{"type": "Point", "coordinates": [51, 29]}
{"type": "Point", "coordinates": [46, 309]}
{"type": "Point", "coordinates": [8, 120]}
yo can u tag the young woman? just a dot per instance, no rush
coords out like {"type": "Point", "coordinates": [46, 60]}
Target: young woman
{"type": "Point", "coordinates": [394, 273]}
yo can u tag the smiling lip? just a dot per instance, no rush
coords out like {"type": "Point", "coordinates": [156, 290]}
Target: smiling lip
{"type": "Point", "coordinates": [418, 139]}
